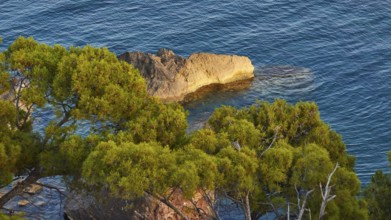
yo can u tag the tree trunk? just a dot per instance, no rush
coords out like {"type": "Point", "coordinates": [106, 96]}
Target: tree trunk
{"type": "Point", "coordinates": [169, 204]}
{"type": "Point", "coordinates": [246, 207]}
{"type": "Point", "coordinates": [302, 206]}
{"type": "Point", "coordinates": [288, 213]}
{"type": "Point", "coordinates": [18, 189]}
{"type": "Point", "coordinates": [256, 215]}
{"type": "Point", "coordinates": [211, 203]}
{"type": "Point", "coordinates": [326, 194]}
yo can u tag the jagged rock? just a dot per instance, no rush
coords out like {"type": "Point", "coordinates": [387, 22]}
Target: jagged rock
{"type": "Point", "coordinates": [82, 206]}
{"type": "Point", "coordinates": [23, 202]}
{"type": "Point", "coordinates": [172, 77]}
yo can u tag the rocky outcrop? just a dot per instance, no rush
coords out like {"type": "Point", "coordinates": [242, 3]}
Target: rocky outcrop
{"type": "Point", "coordinates": [81, 206]}
{"type": "Point", "coordinates": [172, 77]}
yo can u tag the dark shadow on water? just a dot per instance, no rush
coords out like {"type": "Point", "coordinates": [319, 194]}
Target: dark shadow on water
{"type": "Point", "coordinates": [210, 90]}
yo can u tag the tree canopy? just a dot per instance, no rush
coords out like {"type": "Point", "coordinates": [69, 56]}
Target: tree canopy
{"type": "Point", "coordinates": [378, 194]}
{"type": "Point", "coordinates": [79, 85]}
{"type": "Point", "coordinates": [287, 151]}
{"type": "Point", "coordinates": [104, 131]}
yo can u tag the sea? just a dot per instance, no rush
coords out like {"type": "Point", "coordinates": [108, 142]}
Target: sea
{"type": "Point", "coordinates": [336, 53]}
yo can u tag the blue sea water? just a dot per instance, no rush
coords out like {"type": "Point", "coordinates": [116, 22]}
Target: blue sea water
{"type": "Point", "coordinates": [337, 53]}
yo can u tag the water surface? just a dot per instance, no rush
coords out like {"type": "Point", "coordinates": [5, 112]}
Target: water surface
{"type": "Point", "coordinates": [340, 51]}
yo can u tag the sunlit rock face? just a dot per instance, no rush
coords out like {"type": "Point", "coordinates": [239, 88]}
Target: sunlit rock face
{"type": "Point", "coordinates": [173, 77]}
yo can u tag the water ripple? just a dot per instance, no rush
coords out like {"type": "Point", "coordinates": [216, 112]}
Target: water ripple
{"type": "Point", "coordinates": [345, 44]}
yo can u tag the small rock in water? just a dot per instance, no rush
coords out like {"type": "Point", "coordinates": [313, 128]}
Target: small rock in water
{"type": "Point", "coordinates": [33, 188]}
{"type": "Point", "coordinates": [23, 202]}
{"type": "Point", "coordinates": [40, 203]}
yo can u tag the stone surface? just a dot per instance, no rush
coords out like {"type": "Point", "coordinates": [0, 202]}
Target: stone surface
{"type": "Point", "coordinates": [172, 77]}
{"type": "Point", "coordinates": [83, 206]}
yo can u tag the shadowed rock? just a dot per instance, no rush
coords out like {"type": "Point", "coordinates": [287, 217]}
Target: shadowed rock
{"type": "Point", "coordinates": [81, 206]}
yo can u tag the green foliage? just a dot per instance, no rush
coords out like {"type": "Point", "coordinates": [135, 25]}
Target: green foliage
{"type": "Point", "coordinates": [275, 165]}
{"type": "Point", "coordinates": [165, 123]}
{"type": "Point", "coordinates": [389, 157]}
{"type": "Point", "coordinates": [35, 64]}
{"type": "Point", "coordinates": [74, 152]}
{"type": "Point", "coordinates": [129, 169]}
{"type": "Point", "coordinates": [80, 84]}
{"type": "Point", "coordinates": [260, 156]}
{"type": "Point", "coordinates": [242, 131]}
{"type": "Point", "coordinates": [4, 76]}
{"type": "Point", "coordinates": [378, 194]}
{"type": "Point", "coordinates": [8, 156]}
{"type": "Point", "coordinates": [292, 149]}
{"type": "Point", "coordinates": [210, 142]}
{"type": "Point", "coordinates": [194, 169]}
{"type": "Point", "coordinates": [18, 149]}
{"type": "Point", "coordinates": [12, 217]}
{"type": "Point", "coordinates": [346, 187]}
{"type": "Point", "coordinates": [238, 170]}
{"type": "Point", "coordinates": [97, 78]}
{"type": "Point", "coordinates": [312, 165]}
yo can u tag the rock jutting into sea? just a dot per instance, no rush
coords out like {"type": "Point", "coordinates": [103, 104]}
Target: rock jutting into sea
{"type": "Point", "coordinates": [172, 77]}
